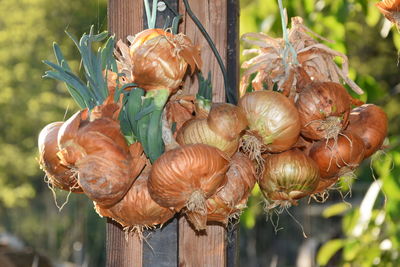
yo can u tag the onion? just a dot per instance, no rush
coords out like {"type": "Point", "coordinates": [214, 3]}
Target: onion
{"type": "Point", "coordinates": [184, 178]}
{"type": "Point", "coordinates": [180, 109]}
{"type": "Point", "coordinates": [59, 175]}
{"type": "Point", "coordinates": [227, 120]}
{"type": "Point", "coordinates": [325, 184]}
{"type": "Point", "coordinates": [371, 124]}
{"type": "Point", "coordinates": [287, 177]}
{"type": "Point", "coordinates": [324, 109]}
{"type": "Point", "coordinates": [197, 131]}
{"type": "Point", "coordinates": [160, 59]}
{"type": "Point", "coordinates": [95, 149]}
{"type": "Point", "coordinates": [273, 120]}
{"type": "Point", "coordinates": [232, 198]}
{"type": "Point", "coordinates": [336, 157]}
{"type": "Point", "coordinates": [137, 210]}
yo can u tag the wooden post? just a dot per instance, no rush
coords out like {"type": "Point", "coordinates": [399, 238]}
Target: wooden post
{"type": "Point", "coordinates": [177, 244]}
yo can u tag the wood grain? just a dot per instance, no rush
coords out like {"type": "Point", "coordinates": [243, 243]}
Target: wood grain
{"type": "Point", "coordinates": [125, 17]}
{"type": "Point", "coordinates": [122, 250]}
{"type": "Point", "coordinates": [213, 16]}
{"type": "Point", "coordinates": [201, 249]}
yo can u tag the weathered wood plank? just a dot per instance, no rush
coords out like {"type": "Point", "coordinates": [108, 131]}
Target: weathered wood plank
{"type": "Point", "coordinates": [125, 17]}
{"type": "Point", "coordinates": [213, 16]}
{"type": "Point", "coordinates": [122, 250]}
{"type": "Point", "coordinates": [161, 246]}
{"type": "Point", "coordinates": [201, 249]}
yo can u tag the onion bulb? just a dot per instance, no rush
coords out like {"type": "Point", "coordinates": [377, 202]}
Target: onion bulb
{"type": "Point", "coordinates": [227, 120]}
{"type": "Point", "coordinates": [160, 59]}
{"type": "Point", "coordinates": [96, 150]}
{"type": "Point", "coordinates": [371, 124]}
{"type": "Point", "coordinates": [179, 109]}
{"type": "Point", "coordinates": [337, 157]}
{"type": "Point", "coordinates": [232, 198]}
{"type": "Point", "coordinates": [137, 210]}
{"type": "Point", "coordinates": [287, 177]}
{"type": "Point", "coordinates": [184, 178]}
{"type": "Point", "coordinates": [273, 120]}
{"type": "Point", "coordinates": [59, 175]}
{"type": "Point", "coordinates": [324, 109]}
{"type": "Point", "coordinates": [197, 131]}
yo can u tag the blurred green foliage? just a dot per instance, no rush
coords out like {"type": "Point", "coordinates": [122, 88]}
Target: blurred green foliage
{"type": "Point", "coordinates": [27, 103]}
{"type": "Point", "coordinates": [360, 31]}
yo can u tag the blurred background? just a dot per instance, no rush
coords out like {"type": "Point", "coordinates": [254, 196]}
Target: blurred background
{"type": "Point", "coordinates": [358, 230]}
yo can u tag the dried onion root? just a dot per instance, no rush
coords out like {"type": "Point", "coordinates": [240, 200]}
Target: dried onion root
{"type": "Point", "coordinates": [137, 211]}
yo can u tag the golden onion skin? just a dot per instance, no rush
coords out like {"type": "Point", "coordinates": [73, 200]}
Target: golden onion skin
{"type": "Point", "coordinates": [180, 172]}
{"type": "Point", "coordinates": [197, 131]}
{"type": "Point", "coordinates": [160, 59]}
{"type": "Point", "coordinates": [337, 157]}
{"type": "Point", "coordinates": [370, 123]}
{"type": "Point", "coordinates": [232, 198]}
{"type": "Point", "coordinates": [227, 120]}
{"type": "Point", "coordinates": [288, 176]}
{"type": "Point", "coordinates": [137, 208]}
{"type": "Point", "coordinates": [58, 174]}
{"type": "Point", "coordinates": [321, 106]}
{"type": "Point", "coordinates": [273, 118]}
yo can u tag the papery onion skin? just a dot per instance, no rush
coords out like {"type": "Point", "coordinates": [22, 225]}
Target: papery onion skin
{"type": "Point", "coordinates": [333, 157]}
{"type": "Point", "coordinates": [137, 208]}
{"type": "Point", "coordinates": [288, 176]}
{"type": "Point", "coordinates": [59, 175]}
{"type": "Point", "coordinates": [370, 123]}
{"type": "Point", "coordinates": [325, 184]}
{"type": "Point", "coordinates": [320, 103]}
{"type": "Point", "coordinates": [160, 59]}
{"type": "Point", "coordinates": [180, 172]}
{"type": "Point", "coordinates": [197, 131]}
{"type": "Point", "coordinates": [232, 198]}
{"type": "Point", "coordinates": [273, 118]}
{"type": "Point", "coordinates": [227, 120]}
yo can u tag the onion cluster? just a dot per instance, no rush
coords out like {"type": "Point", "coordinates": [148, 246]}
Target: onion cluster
{"type": "Point", "coordinates": [198, 158]}
{"type": "Point", "coordinates": [303, 147]}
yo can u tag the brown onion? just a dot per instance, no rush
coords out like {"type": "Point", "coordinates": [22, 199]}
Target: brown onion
{"type": "Point", "coordinates": [272, 118]}
{"type": "Point", "coordinates": [97, 151]}
{"type": "Point", "coordinates": [59, 175]}
{"type": "Point", "coordinates": [197, 131]}
{"type": "Point", "coordinates": [179, 109]}
{"type": "Point", "coordinates": [287, 177]}
{"type": "Point", "coordinates": [325, 184]}
{"type": "Point", "coordinates": [227, 120]}
{"type": "Point", "coordinates": [160, 59]}
{"type": "Point", "coordinates": [336, 157]}
{"type": "Point", "coordinates": [371, 124]}
{"type": "Point", "coordinates": [137, 210]}
{"type": "Point", "coordinates": [324, 109]}
{"type": "Point", "coordinates": [186, 177]}
{"type": "Point", "coordinates": [232, 198]}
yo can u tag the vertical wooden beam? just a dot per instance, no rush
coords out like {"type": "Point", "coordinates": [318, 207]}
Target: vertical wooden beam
{"type": "Point", "coordinates": [122, 250]}
{"type": "Point", "coordinates": [125, 17]}
{"type": "Point", "coordinates": [213, 16]}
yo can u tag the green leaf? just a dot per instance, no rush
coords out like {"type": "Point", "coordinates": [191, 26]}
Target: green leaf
{"type": "Point", "coordinates": [328, 250]}
{"type": "Point", "coordinates": [335, 209]}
